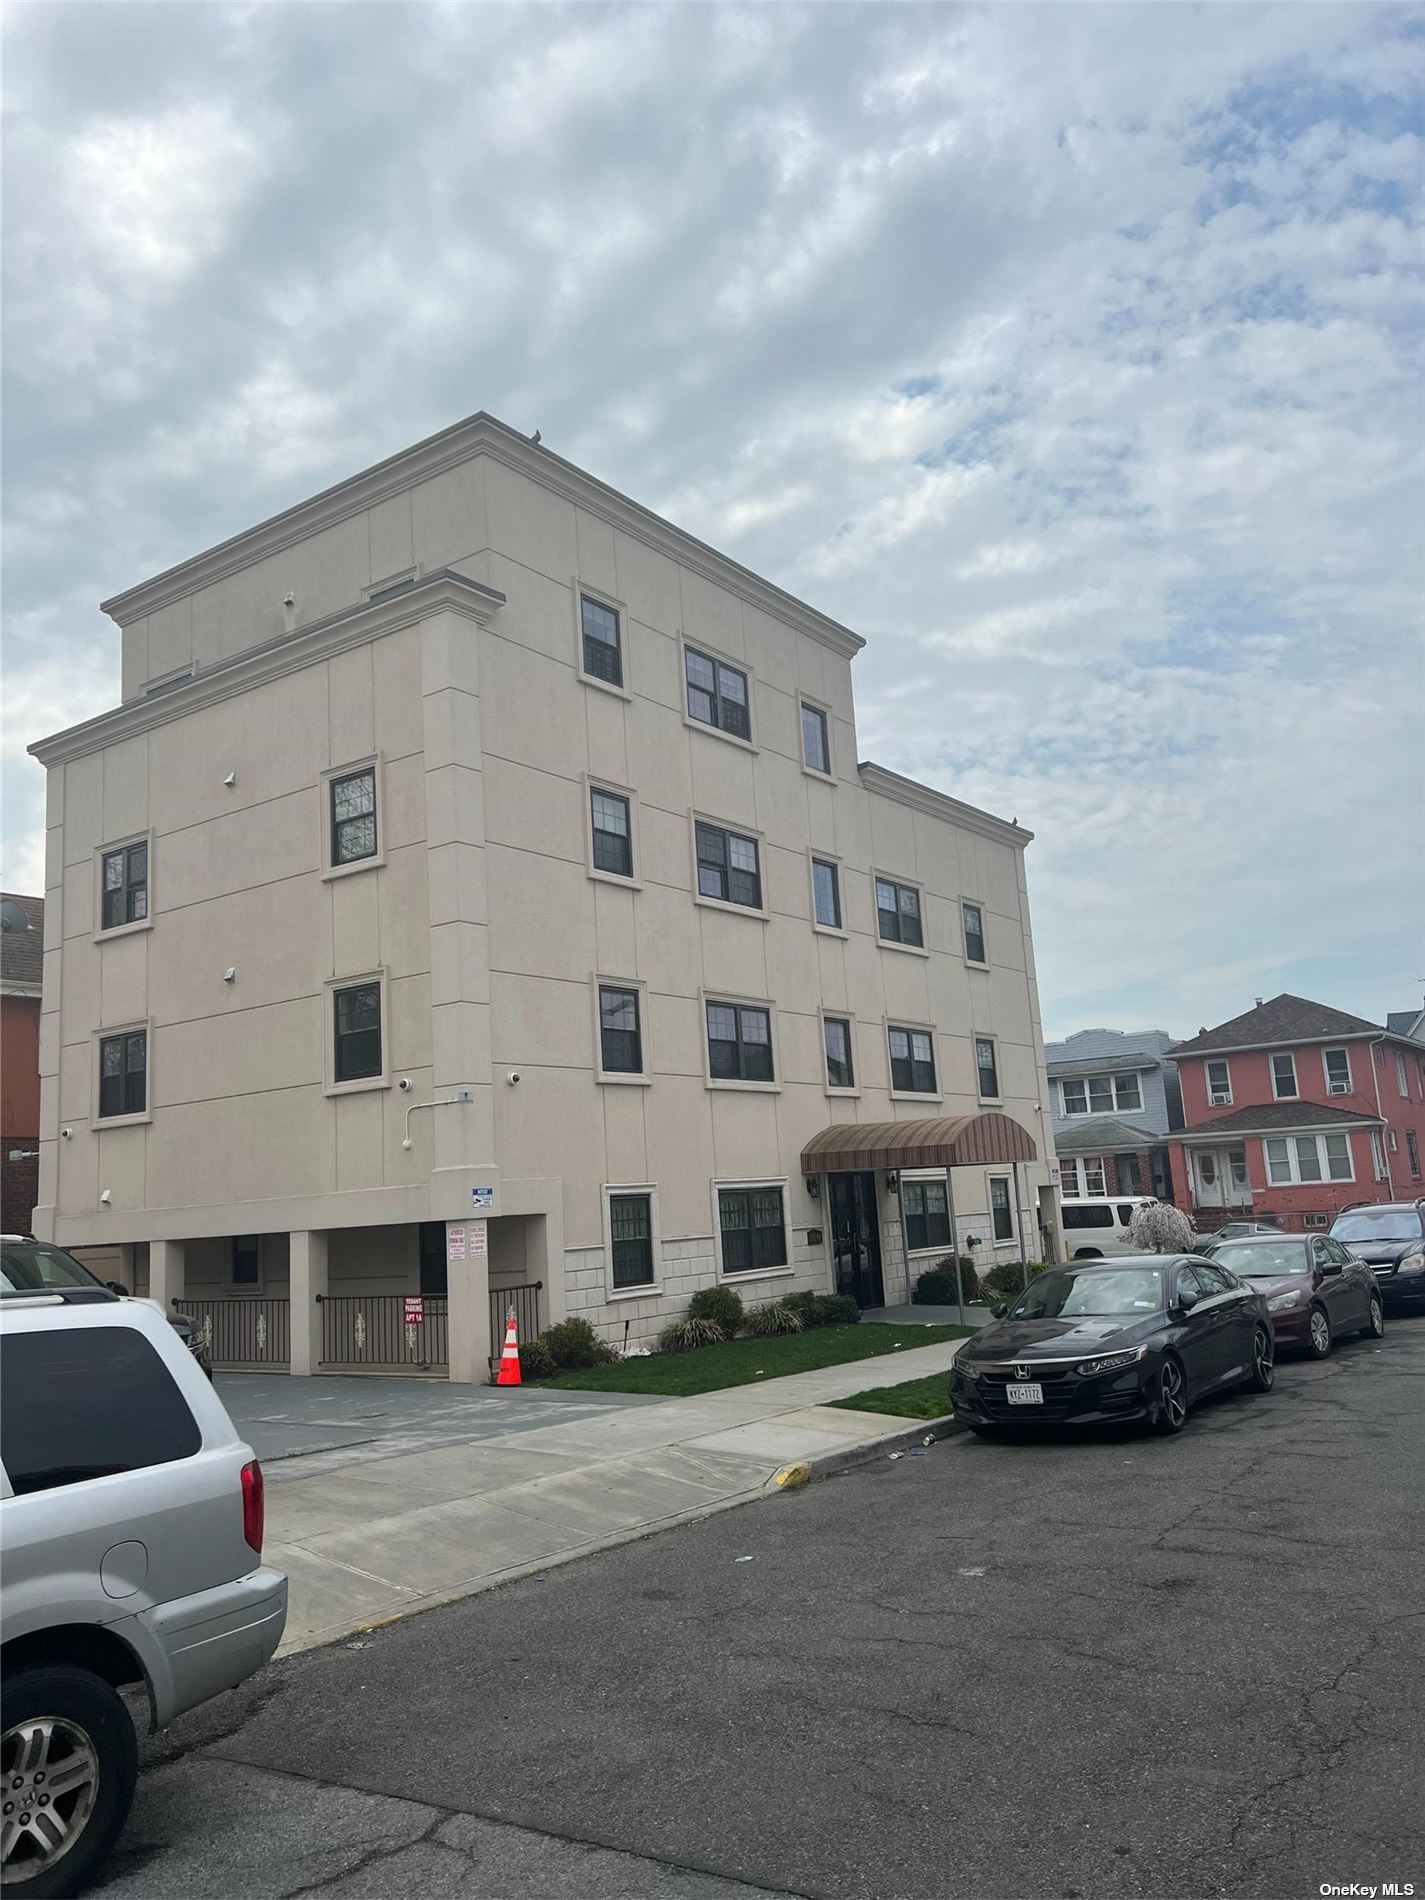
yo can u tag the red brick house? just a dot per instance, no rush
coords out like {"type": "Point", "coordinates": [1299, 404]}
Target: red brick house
{"type": "Point", "coordinates": [21, 980]}
{"type": "Point", "coordinates": [1296, 1110]}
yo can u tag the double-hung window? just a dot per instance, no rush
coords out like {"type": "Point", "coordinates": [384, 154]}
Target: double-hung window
{"type": "Point", "coordinates": [974, 920]}
{"type": "Point", "coordinates": [1284, 1077]}
{"type": "Point", "coordinates": [840, 1068]}
{"type": "Point", "coordinates": [925, 1211]}
{"type": "Point", "coordinates": [1412, 1149]}
{"type": "Point", "coordinates": [1219, 1085]}
{"type": "Point", "coordinates": [631, 1240]}
{"type": "Point", "coordinates": [357, 1032]}
{"type": "Point", "coordinates": [912, 1060]}
{"type": "Point", "coordinates": [600, 639]}
{"type": "Point", "coordinates": [125, 899]}
{"type": "Point", "coordinates": [613, 833]}
{"type": "Point", "coordinates": [826, 891]}
{"type": "Point", "coordinates": [728, 866]}
{"type": "Point", "coordinates": [1127, 1095]}
{"type": "Point", "coordinates": [1089, 1178]}
{"type": "Point", "coordinates": [986, 1067]}
{"type": "Point", "coordinates": [353, 816]}
{"type": "Point", "coordinates": [1001, 1213]}
{"type": "Point", "coordinates": [1338, 1071]}
{"type": "Point", "coordinates": [754, 1229]}
{"type": "Point", "coordinates": [739, 1043]}
{"type": "Point", "coordinates": [123, 1074]}
{"type": "Point", "coordinates": [717, 694]}
{"type": "Point", "coordinates": [1402, 1081]}
{"type": "Point", "coordinates": [1308, 1158]}
{"type": "Point", "coordinates": [816, 745]}
{"type": "Point", "coordinates": [898, 912]}
{"type": "Point", "coordinates": [620, 1032]}
{"type": "Point", "coordinates": [246, 1261]}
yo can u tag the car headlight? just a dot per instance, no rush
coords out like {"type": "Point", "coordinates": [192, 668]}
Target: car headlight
{"type": "Point", "coordinates": [1110, 1362]}
{"type": "Point", "coordinates": [1412, 1263]}
{"type": "Point", "coordinates": [1282, 1302]}
{"type": "Point", "coordinates": [965, 1371]}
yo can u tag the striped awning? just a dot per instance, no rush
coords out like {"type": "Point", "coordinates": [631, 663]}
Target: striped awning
{"type": "Point", "coordinates": [946, 1141]}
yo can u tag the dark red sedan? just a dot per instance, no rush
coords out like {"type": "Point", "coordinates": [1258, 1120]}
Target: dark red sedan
{"type": "Point", "coordinates": [1315, 1291]}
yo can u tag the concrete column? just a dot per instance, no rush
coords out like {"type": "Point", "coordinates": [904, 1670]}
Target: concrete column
{"type": "Point", "coordinates": [468, 1320]}
{"type": "Point", "coordinates": [307, 1258]}
{"type": "Point", "coordinates": [165, 1272]}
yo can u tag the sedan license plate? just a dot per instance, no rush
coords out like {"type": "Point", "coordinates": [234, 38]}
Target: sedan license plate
{"type": "Point", "coordinates": [1025, 1394]}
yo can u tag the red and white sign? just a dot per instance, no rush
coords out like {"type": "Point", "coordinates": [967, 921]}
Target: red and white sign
{"type": "Point", "coordinates": [455, 1240]}
{"type": "Point", "coordinates": [414, 1309]}
{"type": "Point", "coordinates": [479, 1243]}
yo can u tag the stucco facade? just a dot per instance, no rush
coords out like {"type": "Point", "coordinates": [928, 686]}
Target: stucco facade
{"type": "Point", "coordinates": [420, 632]}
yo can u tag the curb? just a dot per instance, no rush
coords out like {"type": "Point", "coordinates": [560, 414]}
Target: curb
{"type": "Point", "coordinates": [835, 1462]}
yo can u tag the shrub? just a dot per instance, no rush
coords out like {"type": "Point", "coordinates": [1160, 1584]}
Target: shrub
{"type": "Point", "coordinates": [803, 1303]}
{"type": "Point", "coordinates": [721, 1305]}
{"type": "Point", "coordinates": [1157, 1227]}
{"type": "Point", "coordinates": [573, 1344]}
{"type": "Point", "coordinates": [936, 1286]}
{"type": "Point", "coordinates": [1006, 1282]}
{"type": "Point", "coordinates": [536, 1360]}
{"type": "Point", "coordinates": [766, 1322]}
{"type": "Point", "coordinates": [685, 1334]}
{"type": "Point", "coordinates": [832, 1309]}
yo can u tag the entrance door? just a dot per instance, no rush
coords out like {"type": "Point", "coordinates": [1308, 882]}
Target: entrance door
{"type": "Point", "coordinates": [856, 1237]}
{"type": "Point", "coordinates": [1211, 1189]}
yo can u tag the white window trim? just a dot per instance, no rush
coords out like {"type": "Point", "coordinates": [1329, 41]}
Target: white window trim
{"type": "Point", "coordinates": [761, 915]}
{"type": "Point", "coordinates": [889, 943]}
{"type": "Point", "coordinates": [827, 857]}
{"type": "Point", "coordinates": [1273, 1057]}
{"type": "Point", "coordinates": [748, 744]}
{"type": "Point", "coordinates": [601, 979]}
{"type": "Point", "coordinates": [926, 1174]}
{"type": "Point", "coordinates": [102, 1123]}
{"type": "Point", "coordinates": [1082, 1190]}
{"type": "Point", "coordinates": [977, 1036]}
{"type": "Point", "coordinates": [1338, 1049]}
{"type": "Point", "coordinates": [371, 763]}
{"type": "Point", "coordinates": [653, 1288]}
{"type": "Point", "coordinates": [98, 933]}
{"type": "Point", "coordinates": [888, 1023]}
{"type": "Point", "coordinates": [781, 1181]}
{"type": "Point", "coordinates": [721, 1083]}
{"type": "Point", "coordinates": [1402, 1079]}
{"type": "Point", "coordinates": [592, 783]}
{"type": "Point", "coordinates": [827, 777]}
{"type": "Point", "coordinates": [601, 598]}
{"type": "Point", "coordinates": [1290, 1138]}
{"type": "Point", "coordinates": [974, 963]}
{"type": "Point", "coordinates": [1378, 1156]}
{"type": "Point", "coordinates": [363, 1083]}
{"type": "Point", "coordinates": [1115, 1107]}
{"type": "Point", "coordinates": [1226, 1101]}
{"type": "Point", "coordinates": [842, 1016]}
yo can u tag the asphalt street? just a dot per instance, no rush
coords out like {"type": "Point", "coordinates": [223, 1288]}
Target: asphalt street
{"type": "Point", "coordinates": [1114, 1666]}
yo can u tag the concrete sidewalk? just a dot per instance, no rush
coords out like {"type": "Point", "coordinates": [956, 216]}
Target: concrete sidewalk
{"type": "Point", "coordinates": [366, 1537]}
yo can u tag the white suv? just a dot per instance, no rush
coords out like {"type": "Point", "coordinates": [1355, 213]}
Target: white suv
{"type": "Point", "coordinates": [131, 1519]}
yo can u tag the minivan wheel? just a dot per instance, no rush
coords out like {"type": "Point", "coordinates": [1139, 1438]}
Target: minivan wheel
{"type": "Point", "coordinates": [68, 1759]}
{"type": "Point", "coordinates": [1318, 1333]}
{"type": "Point", "coordinates": [1170, 1399]}
{"type": "Point", "coordinates": [1088, 1253]}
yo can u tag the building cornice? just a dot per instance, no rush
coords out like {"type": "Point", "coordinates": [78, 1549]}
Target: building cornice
{"type": "Point", "coordinates": [480, 434]}
{"type": "Point", "coordinates": [1284, 1131]}
{"type": "Point", "coordinates": [906, 791]}
{"type": "Point", "coordinates": [445, 592]}
{"type": "Point", "coordinates": [1181, 1053]}
{"type": "Point", "coordinates": [33, 992]}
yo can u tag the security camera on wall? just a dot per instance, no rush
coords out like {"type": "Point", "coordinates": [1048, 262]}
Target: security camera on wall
{"type": "Point", "coordinates": [405, 1085]}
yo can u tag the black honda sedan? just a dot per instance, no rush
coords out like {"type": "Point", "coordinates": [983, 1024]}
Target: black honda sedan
{"type": "Point", "coordinates": [1144, 1336]}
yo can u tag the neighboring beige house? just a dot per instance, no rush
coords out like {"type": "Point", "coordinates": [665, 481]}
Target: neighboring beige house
{"type": "Point", "coordinates": [477, 899]}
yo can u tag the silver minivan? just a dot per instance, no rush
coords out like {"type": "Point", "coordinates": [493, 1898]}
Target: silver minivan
{"type": "Point", "coordinates": [131, 1521]}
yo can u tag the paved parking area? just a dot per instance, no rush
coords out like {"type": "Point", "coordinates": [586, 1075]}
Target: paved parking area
{"type": "Point", "coordinates": [282, 1417]}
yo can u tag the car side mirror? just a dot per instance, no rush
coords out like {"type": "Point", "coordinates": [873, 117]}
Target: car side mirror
{"type": "Point", "coordinates": [1331, 1266]}
{"type": "Point", "coordinates": [117, 1286]}
{"type": "Point", "coordinates": [998, 1312]}
{"type": "Point", "coordinates": [1184, 1303]}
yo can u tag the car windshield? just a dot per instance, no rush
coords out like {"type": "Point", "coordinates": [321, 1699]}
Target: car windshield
{"type": "Point", "coordinates": [1266, 1259]}
{"type": "Point", "coordinates": [28, 1266]}
{"type": "Point", "coordinates": [1091, 1294]}
{"type": "Point", "coordinates": [1383, 1223]}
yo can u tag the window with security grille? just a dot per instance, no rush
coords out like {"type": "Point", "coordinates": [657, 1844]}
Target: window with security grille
{"type": "Point", "coordinates": [974, 932]}
{"type": "Point", "coordinates": [603, 649]}
{"type": "Point", "coordinates": [1001, 1213]}
{"type": "Point", "coordinates": [358, 1032]}
{"type": "Point", "coordinates": [826, 885]}
{"type": "Point", "coordinates": [353, 798]}
{"type": "Point", "coordinates": [123, 1074]}
{"type": "Point", "coordinates": [840, 1073]}
{"type": "Point", "coordinates": [613, 834]}
{"type": "Point", "coordinates": [728, 867]}
{"type": "Point", "coordinates": [912, 1061]}
{"type": "Point", "coordinates": [620, 1034]}
{"type": "Point", "coordinates": [898, 912]}
{"type": "Point", "coordinates": [125, 886]}
{"type": "Point", "coordinates": [631, 1235]}
{"type": "Point", "coordinates": [986, 1066]}
{"type": "Point", "coordinates": [754, 1230]}
{"type": "Point", "coordinates": [717, 694]}
{"type": "Point", "coordinates": [816, 746]}
{"type": "Point", "coordinates": [925, 1212]}
{"type": "Point", "coordinates": [739, 1043]}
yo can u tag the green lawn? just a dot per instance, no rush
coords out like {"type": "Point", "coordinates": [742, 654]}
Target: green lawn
{"type": "Point", "coordinates": [917, 1398]}
{"type": "Point", "coordinates": [745, 1361]}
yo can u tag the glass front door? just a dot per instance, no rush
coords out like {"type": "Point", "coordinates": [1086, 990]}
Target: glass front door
{"type": "Point", "coordinates": [856, 1237]}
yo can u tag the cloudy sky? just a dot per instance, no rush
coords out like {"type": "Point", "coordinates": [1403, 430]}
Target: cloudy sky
{"type": "Point", "coordinates": [1069, 353]}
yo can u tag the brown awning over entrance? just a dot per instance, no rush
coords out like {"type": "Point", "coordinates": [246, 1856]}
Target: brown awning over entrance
{"type": "Point", "coordinates": [954, 1141]}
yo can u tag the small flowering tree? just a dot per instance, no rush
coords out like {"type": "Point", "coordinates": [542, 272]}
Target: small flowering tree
{"type": "Point", "coordinates": [1157, 1227]}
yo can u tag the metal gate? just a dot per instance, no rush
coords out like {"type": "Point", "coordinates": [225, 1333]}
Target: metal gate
{"type": "Point", "coordinates": [525, 1301]}
{"type": "Point", "coordinates": [379, 1331]}
{"type": "Point", "coordinates": [243, 1332]}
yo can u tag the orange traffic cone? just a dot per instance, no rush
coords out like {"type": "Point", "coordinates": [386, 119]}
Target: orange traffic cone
{"type": "Point", "coordinates": [509, 1373]}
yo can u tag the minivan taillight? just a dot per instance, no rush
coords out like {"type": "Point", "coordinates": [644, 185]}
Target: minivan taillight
{"type": "Point", "coordinates": [253, 1512]}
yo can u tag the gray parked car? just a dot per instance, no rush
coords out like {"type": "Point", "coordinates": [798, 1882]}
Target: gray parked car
{"type": "Point", "coordinates": [131, 1519]}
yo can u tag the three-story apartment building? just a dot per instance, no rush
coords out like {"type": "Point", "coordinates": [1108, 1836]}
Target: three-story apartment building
{"type": "Point", "coordinates": [1295, 1110]}
{"type": "Point", "coordinates": [477, 899]}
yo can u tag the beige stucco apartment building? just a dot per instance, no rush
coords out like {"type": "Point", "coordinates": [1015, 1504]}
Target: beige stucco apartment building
{"type": "Point", "coordinates": [477, 899]}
